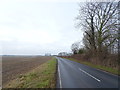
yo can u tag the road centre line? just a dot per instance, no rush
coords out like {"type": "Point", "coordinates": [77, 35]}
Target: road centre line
{"type": "Point", "coordinates": [89, 75]}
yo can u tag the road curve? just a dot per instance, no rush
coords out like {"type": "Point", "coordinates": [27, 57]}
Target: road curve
{"type": "Point", "coordinates": [75, 75]}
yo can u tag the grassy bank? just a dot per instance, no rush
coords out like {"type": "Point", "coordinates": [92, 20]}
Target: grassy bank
{"type": "Point", "coordinates": [40, 77]}
{"type": "Point", "coordinates": [104, 68]}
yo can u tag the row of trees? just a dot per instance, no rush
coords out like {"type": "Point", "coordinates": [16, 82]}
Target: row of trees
{"type": "Point", "coordinates": [100, 23]}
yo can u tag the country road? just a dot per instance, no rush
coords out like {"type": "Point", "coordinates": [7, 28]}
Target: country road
{"type": "Point", "coordinates": [75, 75]}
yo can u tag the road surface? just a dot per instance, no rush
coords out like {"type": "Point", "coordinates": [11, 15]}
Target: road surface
{"type": "Point", "coordinates": [75, 75]}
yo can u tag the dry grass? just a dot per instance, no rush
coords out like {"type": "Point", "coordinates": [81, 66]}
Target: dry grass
{"type": "Point", "coordinates": [105, 68]}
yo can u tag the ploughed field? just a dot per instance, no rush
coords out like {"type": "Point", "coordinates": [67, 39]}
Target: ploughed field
{"type": "Point", "coordinates": [13, 66]}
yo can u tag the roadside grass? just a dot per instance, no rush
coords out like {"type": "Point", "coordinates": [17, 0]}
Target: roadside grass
{"type": "Point", "coordinates": [41, 77]}
{"type": "Point", "coordinates": [104, 68]}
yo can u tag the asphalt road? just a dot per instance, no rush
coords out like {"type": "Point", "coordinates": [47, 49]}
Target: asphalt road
{"type": "Point", "coordinates": [75, 75]}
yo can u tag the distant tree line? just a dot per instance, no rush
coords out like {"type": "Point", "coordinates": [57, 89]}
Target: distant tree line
{"type": "Point", "coordinates": [101, 26]}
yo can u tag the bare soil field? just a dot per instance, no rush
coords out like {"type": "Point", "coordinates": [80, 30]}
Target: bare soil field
{"type": "Point", "coordinates": [13, 66]}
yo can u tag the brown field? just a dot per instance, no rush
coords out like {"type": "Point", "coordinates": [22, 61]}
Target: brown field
{"type": "Point", "coordinates": [13, 66]}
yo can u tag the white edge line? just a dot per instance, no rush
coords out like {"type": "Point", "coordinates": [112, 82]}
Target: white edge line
{"type": "Point", "coordinates": [89, 75]}
{"type": "Point", "coordinates": [59, 77]}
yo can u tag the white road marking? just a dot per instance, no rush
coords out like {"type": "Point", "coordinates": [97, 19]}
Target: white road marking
{"type": "Point", "coordinates": [59, 77]}
{"type": "Point", "coordinates": [89, 75]}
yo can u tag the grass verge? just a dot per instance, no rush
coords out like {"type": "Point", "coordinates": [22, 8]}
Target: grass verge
{"type": "Point", "coordinates": [40, 77]}
{"type": "Point", "coordinates": [108, 69]}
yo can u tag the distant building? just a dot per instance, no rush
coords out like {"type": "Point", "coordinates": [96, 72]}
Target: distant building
{"type": "Point", "coordinates": [69, 54]}
{"type": "Point", "coordinates": [64, 54]}
{"type": "Point", "coordinates": [48, 54]}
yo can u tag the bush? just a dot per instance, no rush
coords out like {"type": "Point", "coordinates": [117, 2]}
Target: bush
{"type": "Point", "coordinates": [81, 51]}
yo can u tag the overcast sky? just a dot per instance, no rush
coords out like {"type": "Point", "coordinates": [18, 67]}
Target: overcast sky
{"type": "Point", "coordinates": [34, 27]}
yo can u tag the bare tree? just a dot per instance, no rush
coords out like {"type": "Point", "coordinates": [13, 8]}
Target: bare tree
{"type": "Point", "coordinates": [99, 22]}
{"type": "Point", "coordinates": [75, 47]}
{"type": "Point", "coordinates": [87, 17]}
{"type": "Point", "coordinates": [118, 32]}
{"type": "Point", "coordinates": [106, 24]}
